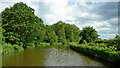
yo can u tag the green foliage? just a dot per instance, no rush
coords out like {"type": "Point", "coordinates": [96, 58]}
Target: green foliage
{"type": "Point", "coordinates": [50, 35]}
{"type": "Point", "coordinates": [58, 43]}
{"type": "Point", "coordinates": [7, 49]}
{"type": "Point", "coordinates": [44, 44]}
{"type": "Point", "coordinates": [83, 42]}
{"type": "Point", "coordinates": [0, 34]}
{"type": "Point", "coordinates": [21, 28]}
{"type": "Point", "coordinates": [111, 42]}
{"type": "Point", "coordinates": [89, 34]}
{"type": "Point", "coordinates": [118, 43]}
{"type": "Point", "coordinates": [101, 52]}
{"type": "Point", "coordinates": [16, 47]}
{"type": "Point", "coordinates": [60, 31]}
{"type": "Point", "coordinates": [31, 44]}
{"type": "Point", "coordinates": [2, 37]}
{"type": "Point", "coordinates": [0, 30]}
{"type": "Point", "coordinates": [21, 25]}
{"type": "Point", "coordinates": [117, 36]}
{"type": "Point", "coordinates": [69, 32]}
{"type": "Point", "coordinates": [72, 33]}
{"type": "Point", "coordinates": [73, 43]}
{"type": "Point", "coordinates": [66, 33]}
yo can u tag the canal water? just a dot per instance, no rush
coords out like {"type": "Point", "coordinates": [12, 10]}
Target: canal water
{"type": "Point", "coordinates": [49, 56]}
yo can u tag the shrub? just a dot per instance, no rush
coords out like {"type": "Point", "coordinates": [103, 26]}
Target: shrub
{"type": "Point", "coordinates": [7, 48]}
{"type": "Point", "coordinates": [17, 47]}
{"type": "Point", "coordinates": [30, 45]}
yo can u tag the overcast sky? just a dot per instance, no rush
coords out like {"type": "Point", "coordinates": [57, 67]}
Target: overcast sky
{"type": "Point", "coordinates": [103, 16]}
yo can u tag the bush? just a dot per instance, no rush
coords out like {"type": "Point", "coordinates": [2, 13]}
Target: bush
{"type": "Point", "coordinates": [17, 47]}
{"type": "Point", "coordinates": [44, 44]}
{"type": "Point", "coordinates": [7, 48]}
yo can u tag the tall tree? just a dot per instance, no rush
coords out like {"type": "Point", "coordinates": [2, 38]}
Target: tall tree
{"type": "Point", "coordinates": [50, 35]}
{"type": "Point", "coordinates": [21, 24]}
{"type": "Point", "coordinates": [60, 31]}
{"type": "Point", "coordinates": [89, 34]}
{"type": "Point", "coordinates": [72, 33]}
{"type": "Point", "coordinates": [69, 32]}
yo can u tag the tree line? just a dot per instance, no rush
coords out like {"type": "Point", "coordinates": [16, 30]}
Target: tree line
{"type": "Point", "coordinates": [21, 27]}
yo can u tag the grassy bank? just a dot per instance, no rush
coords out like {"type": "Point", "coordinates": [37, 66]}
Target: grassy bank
{"type": "Point", "coordinates": [100, 51]}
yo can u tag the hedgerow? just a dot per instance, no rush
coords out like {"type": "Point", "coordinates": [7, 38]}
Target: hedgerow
{"type": "Point", "coordinates": [105, 53]}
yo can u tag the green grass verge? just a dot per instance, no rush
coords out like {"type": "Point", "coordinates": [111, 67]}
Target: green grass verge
{"type": "Point", "coordinates": [101, 52]}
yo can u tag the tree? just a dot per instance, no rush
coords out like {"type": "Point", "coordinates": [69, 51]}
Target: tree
{"type": "Point", "coordinates": [72, 33]}
{"type": "Point", "coordinates": [89, 34]}
{"type": "Point", "coordinates": [2, 37]}
{"type": "Point", "coordinates": [50, 35]}
{"type": "Point", "coordinates": [21, 25]}
{"type": "Point", "coordinates": [69, 32]}
{"type": "Point", "coordinates": [66, 32]}
{"type": "Point", "coordinates": [60, 31]}
{"type": "Point", "coordinates": [117, 36]}
{"type": "Point", "coordinates": [76, 32]}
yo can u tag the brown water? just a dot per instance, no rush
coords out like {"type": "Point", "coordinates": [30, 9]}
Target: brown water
{"type": "Point", "coordinates": [48, 56]}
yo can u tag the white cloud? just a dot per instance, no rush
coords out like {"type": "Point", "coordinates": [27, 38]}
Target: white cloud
{"type": "Point", "coordinates": [60, 0]}
{"type": "Point", "coordinates": [4, 5]}
{"type": "Point", "coordinates": [107, 36]}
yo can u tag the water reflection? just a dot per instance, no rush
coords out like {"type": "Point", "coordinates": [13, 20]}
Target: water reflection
{"type": "Point", "coordinates": [48, 56]}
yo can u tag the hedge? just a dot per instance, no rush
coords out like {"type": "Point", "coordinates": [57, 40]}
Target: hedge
{"type": "Point", "coordinates": [104, 53]}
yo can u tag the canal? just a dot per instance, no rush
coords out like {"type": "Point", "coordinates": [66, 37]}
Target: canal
{"type": "Point", "coordinates": [49, 56]}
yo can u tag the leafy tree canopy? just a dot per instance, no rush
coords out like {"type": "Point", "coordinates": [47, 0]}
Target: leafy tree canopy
{"type": "Point", "coordinates": [51, 37]}
{"type": "Point", "coordinates": [21, 24]}
{"type": "Point", "coordinates": [89, 34]}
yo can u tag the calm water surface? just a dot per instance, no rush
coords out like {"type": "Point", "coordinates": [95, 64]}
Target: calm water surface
{"type": "Point", "coordinates": [49, 56]}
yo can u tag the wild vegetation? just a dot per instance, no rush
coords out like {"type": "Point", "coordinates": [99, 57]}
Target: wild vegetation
{"type": "Point", "coordinates": [106, 49]}
{"type": "Point", "coordinates": [20, 28]}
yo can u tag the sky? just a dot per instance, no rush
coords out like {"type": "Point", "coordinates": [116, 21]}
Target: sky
{"type": "Point", "coordinates": [100, 14]}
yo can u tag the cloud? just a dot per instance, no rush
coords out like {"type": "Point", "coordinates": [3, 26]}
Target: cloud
{"type": "Point", "coordinates": [103, 16]}
{"type": "Point", "coordinates": [107, 10]}
{"type": "Point", "coordinates": [3, 5]}
{"type": "Point", "coordinates": [108, 36]}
